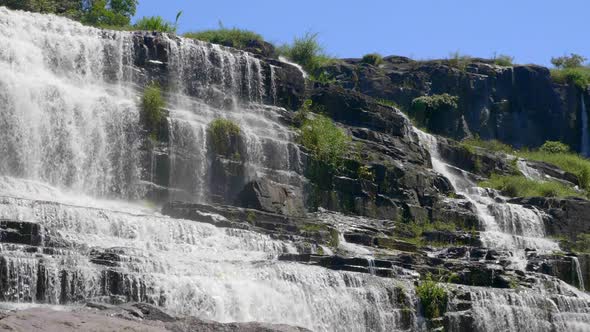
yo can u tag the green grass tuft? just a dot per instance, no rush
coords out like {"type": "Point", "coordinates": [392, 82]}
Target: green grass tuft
{"type": "Point", "coordinates": [569, 162]}
{"type": "Point", "coordinates": [152, 103]}
{"type": "Point", "coordinates": [519, 186]}
{"type": "Point", "coordinates": [307, 52]}
{"type": "Point", "coordinates": [503, 60]}
{"type": "Point", "coordinates": [222, 133]}
{"type": "Point", "coordinates": [154, 23]}
{"type": "Point", "coordinates": [433, 298]}
{"type": "Point", "coordinates": [492, 145]}
{"type": "Point", "coordinates": [374, 59]}
{"type": "Point", "coordinates": [326, 141]}
{"type": "Point", "coordinates": [234, 37]}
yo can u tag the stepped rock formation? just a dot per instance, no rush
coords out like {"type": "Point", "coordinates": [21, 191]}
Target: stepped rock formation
{"type": "Point", "coordinates": [113, 220]}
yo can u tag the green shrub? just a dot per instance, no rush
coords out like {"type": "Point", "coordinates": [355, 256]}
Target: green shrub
{"type": "Point", "coordinates": [503, 60]}
{"type": "Point", "coordinates": [458, 60]}
{"type": "Point", "coordinates": [579, 76]}
{"type": "Point", "coordinates": [519, 186]}
{"type": "Point", "coordinates": [154, 23]}
{"type": "Point", "coordinates": [435, 102]}
{"type": "Point", "coordinates": [387, 102]}
{"type": "Point", "coordinates": [366, 173]}
{"type": "Point", "coordinates": [307, 52]}
{"type": "Point", "coordinates": [326, 141]}
{"type": "Point", "coordinates": [222, 133]}
{"type": "Point", "coordinates": [233, 37]}
{"type": "Point", "coordinates": [492, 145]}
{"type": "Point", "coordinates": [424, 108]}
{"type": "Point", "coordinates": [374, 59]}
{"type": "Point", "coordinates": [571, 61]}
{"type": "Point", "coordinates": [554, 147]}
{"type": "Point", "coordinates": [433, 298]}
{"type": "Point", "coordinates": [569, 162]}
{"type": "Point", "coordinates": [152, 103]}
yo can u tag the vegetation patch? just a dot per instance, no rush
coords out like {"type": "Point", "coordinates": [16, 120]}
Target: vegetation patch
{"type": "Point", "coordinates": [307, 52]}
{"type": "Point", "coordinates": [326, 141]}
{"type": "Point", "coordinates": [458, 60]}
{"type": "Point", "coordinates": [569, 162]}
{"type": "Point", "coordinates": [223, 133]}
{"type": "Point", "coordinates": [492, 145]}
{"type": "Point", "coordinates": [152, 103]}
{"type": "Point", "coordinates": [374, 59]}
{"type": "Point", "coordinates": [520, 186]}
{"type": "Point", "coordinates": [570, 70]}
{"type": "Point", "coordinates": [232, 37]}
{"type": "Point", "coordinates": [155, 23]}
{"type": "Point", "coordinates": [503, 60]}
{"type": "Point", "coordinates": [433, 298]}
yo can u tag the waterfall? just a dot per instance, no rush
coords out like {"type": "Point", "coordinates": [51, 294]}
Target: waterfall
{"type": "Point", "coordinates": [584, 148]}
{"type": "Point", "coordinates": [71, 146]}
{"type": "Point", "coordinates": [577, 270]}
{"type": "Point", "coordinates": [506, 226]}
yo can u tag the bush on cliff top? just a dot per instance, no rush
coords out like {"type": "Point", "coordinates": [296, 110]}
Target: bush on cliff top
{"type": "Point", "coordinates": [374, 59]}
{"type": "Point", "coordinates": [520, 186]}
{"type": "Point", "coordinates": [503, 60]}
{"type": "Point", "coordinates": [155, 23]}
{"type": "Point", "coordinates": [222, 132]}
{"type": "Point", "coordinates": [307, 52]}
{"type": "Point", "coordinates": [579, 76]}
{"type": "Point", "coordinates": [233, 37]}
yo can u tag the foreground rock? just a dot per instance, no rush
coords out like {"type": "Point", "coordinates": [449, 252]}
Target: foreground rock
{"type": "Point", "coordinates": [132, 318]}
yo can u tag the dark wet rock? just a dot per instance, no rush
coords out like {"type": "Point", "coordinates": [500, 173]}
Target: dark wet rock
{"type": "Point", "coordinates": [273, 197]}
{"type": "Point", "coordinates": [20, 232]}
{"type": "Point", "coordinates": [494, 102]}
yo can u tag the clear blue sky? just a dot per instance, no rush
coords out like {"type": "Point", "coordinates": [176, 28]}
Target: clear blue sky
{"type": "Point", "coordinates": [531, 31]}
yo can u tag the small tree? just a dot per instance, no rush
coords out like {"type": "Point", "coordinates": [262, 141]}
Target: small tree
{"type": "Point", "coordinates": [554, 147]}
{"type": "Point", "coordinates": [571, 61]}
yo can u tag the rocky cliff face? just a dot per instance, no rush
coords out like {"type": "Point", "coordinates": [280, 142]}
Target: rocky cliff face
{"type": "Point", "coordinates": [519, 105]}
{"type": "Point", "coordinates": [248, 231]}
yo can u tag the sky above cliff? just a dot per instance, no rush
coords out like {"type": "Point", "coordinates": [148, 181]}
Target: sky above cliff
{"type": "Point", "coordinates": [530, 30]}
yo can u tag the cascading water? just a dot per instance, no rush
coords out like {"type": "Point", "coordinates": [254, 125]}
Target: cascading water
{"type": "Point", "coordinates": [507, 226]}
{"type": "Point", "coordinates": [585, 143]}
{"type": "Point", "coordinates": [70, 131]}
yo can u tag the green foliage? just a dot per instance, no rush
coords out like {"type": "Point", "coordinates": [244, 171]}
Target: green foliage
{"type": "Point", "coordinates": [154, 23]}
{"type": "Point", "coordinates": [374, 59]}
{"type": "Point", "coordinates": [519, 186]}
{"type": "Point", "coordinates": [579, 76]}
{"type": "Point", "coordinates": [582, 243]}
{"type": "Point", "coordinates": [70, 8]}
{"type": "Point", "coordinates": [387, 102]}
{"type": "Point", "coordinates": [103, 14]}
{"type": "Point", "coordinates": [366, 173]}
{"type": "Point", "coordinates": [458, 60]}
{"type": "Point", "coordinates": [571, 61]}
{"type": "Point", "coordinates": [326, 141]}
{"type": "Point", "coordinates": [492, 145]}
{"type": "Point", "coordinates": [222, 132]}
{"type": "Point", "coordinates": [302, 114]}
{"type": "Point", "coordinates": [435, 102]}
{"type": "Point", "coordinates": [503, 60]}
{"type": "Point", "coordinates": [569, 162]}
{"type": "Point", "coordinates": [554, 147]}
{"type": "Point", "coordinates": [454, 278]}
{"type": "Point", "coordinates": [232, 37]}
{"type": "Point", "coordinates": [307, 52]}
{"type": "Point", "coordinates": [151, 106]}
{"type": "Point", "coordinates": [251, 217]}
{"type": "Point", "coordinates": [433, 298]}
